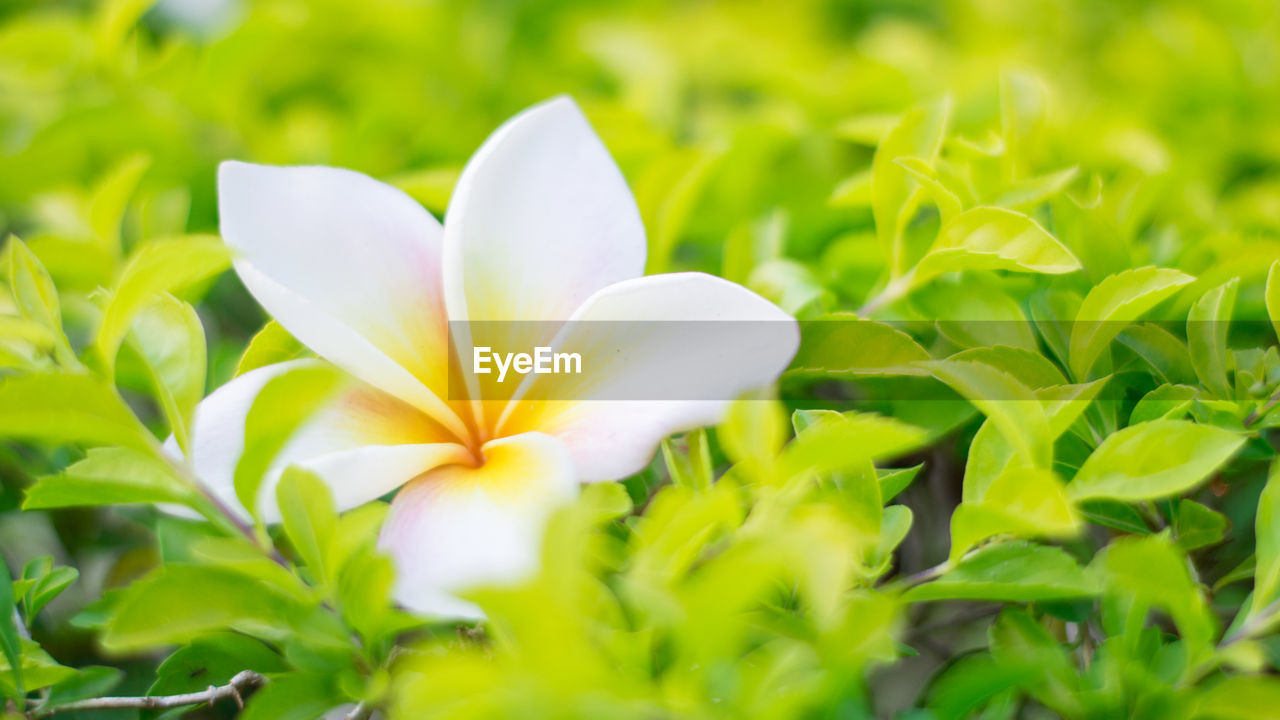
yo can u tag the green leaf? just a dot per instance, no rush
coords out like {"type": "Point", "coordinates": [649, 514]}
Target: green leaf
{"type": "Point", "coordinates": [841, 442]}
{"type": "Point", "coordinates": [1009, 572]}
{"type": "Point", "coordinates": [990, 238]}
{"type": "Point", "coordinates": [1019, 641]}
{"type": "Point", "coordinates": [1053, 312]}
{"type": "Point", "coordinates": [36, 296]}
{"type": "Point", "coordinates": [10, 639]}
{"type": "Point", "coordinates": [1023, 99]}
{"type": "Point", "coordinates": [111, 196]}
{"type": "Point", "coordinates": [1029, 193]}
{"type": "Point", "coordinates": [38, 670]}
{"type": "Point", "coordinates": [357, 528]}
{"type": "Point", "coordinates": [1169, 402]}
{"type": "Point", "coordinates": [272, 344]}
{"type": "Point", "coordinates": [1207, 325]}
{"type": "Point", "coordinates": [847, 345]}
{"type": "Point", "coordinates": [893, 482]}
{"type": "Point", "coordinates": [1024, 502]}
{"type": "Point", "coordinates": [989, 454]}
{"type": "Point", "coordinates": [753, 430]}
{"type": "Point", "coordinates": [168, 338]}
{"type": "Point", "coordinates": [309, 518]}
{"type": "Point", "coordinates": [667, 194]}
{"type": "Point", "coordinates": [286, 402]}
{"type": "Point", "coordinates": [947, 201]}
{"type": "Point", "coordinates": [1248, 697]}
{"type": "Point", "coordinates": [1196, 526]}
{"type": "Point", "coordinates": [854, 191]}
{"type": "Point", "coordinates": [165, 266]}
{"type": "Point", "coordinates": [691, 466]}
{"type": "Point", "coordinates": [1273, 296]}
{"type": "Point", "coordinates": [1156, 459]}
{"type": "Point", "coordinates": [32, 333]}
{"type": "Point", "coordinates": [296, 696]}
{"type": "Point", "coordinates": [178, 603]}
{"type": "Point", "coordinates": [1114, 303]}
{"type": "Point", "coordinates": [1006, 402]}
{"type": "Point", "coordinates": [751, 244]}
{"type": "Point", "coordinates": [88, 682]}
{"type": "Point", "coordinates": [47, 582]}
{"type": "Point", "coordinates": [1112, 514]}
{"type": "Point", "coordinates": [1029, 368]}
{"type": "Point", "coordinates": [238, 554]}
{"type": "Point", "coordinates": [213, 660]}
{"type": "Point", "coordinates": [895, 523]}
{"type": "Point", "coordinates": [1266, 584]}
{"type": "Point", "coordinates": [1244, 571]}
{"type": "Point", "coordinates": [866, 129]}
{"type": "Point", "coordinates": [791, 285]}
{"type": "Point", "coordinates": [971, 682]}
{"type": "Point", "coordinates": [1162, 350]}
{"type": "Point", "coordinates": [1064, 404]}
{"type": "Point", "coordinates": [1146, 571]}
{"type": "Point", "coordinates": [975, 314]}
{"type": "Point", "coordinates": [895, 194]}
{"type": "Point", "coordinates": [109, 476]}
{"type": "Point", "coordinates": [33, 290]}
{"type": "Point", "coordinates": [65, 407]}
{"type": "Point", "coordinates": [603, 501]}
{"type": "Point", "coordinates": [364, 592]}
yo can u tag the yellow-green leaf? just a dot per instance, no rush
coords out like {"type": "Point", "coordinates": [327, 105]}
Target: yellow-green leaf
{"type": "Point", "coordinates": [1113, 304]}
{"type": "Point", "coordinates": [1152, 460]}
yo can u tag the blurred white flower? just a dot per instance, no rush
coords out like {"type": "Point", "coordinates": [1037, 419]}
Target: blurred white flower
{"type": "Point", "coordinates": [541, 229]}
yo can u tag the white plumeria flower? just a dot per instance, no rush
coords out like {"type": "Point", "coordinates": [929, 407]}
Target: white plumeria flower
{"type": "Point", "coordinates": [541, 227]}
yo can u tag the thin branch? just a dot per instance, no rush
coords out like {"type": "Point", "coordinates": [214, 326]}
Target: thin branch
{"type": "Point", "coordinates": [225, 512]}
{"type": "Point", "coordinates": [20, 625]}
{"type": "Point", "coordinates": [926, 575]}
{"type": "Point", "coordinates": [1153, 516]}
{"type": "Point", "coordinates": [1257, 413]}
{"type": "Point", "coordinates": [243, 681]}
{"type": "Point", "coordinates": [362, 711]}
{"type": "Point", "coordinates": [1260, 620]}
{"type": "Point", "coordinates": [892, 292]}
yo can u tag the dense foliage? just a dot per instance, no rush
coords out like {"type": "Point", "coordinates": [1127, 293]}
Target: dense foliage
{"type": "Point", "coordinates": [1021, 466]}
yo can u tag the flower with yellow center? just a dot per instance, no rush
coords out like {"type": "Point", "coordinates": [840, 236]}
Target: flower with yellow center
{"type": "Point", "coordinates": [543, 235]}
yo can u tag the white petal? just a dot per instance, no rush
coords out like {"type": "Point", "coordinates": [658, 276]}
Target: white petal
{"type": "Point", "coordinates": [364, 444]}
{"type": "Point", "coordinates": [460, 527]}
{"type": "Point", "coordinates": [350, 266]}
{"type": "Point", "coordinates": [660, 354]}
{"type": "Point", "coordinates": [541, 218]}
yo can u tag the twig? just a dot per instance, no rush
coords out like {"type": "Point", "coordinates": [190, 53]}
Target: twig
{"type": "Point", "coordinates": [244, 680]}
{"type": "Point", "coordinates": [1255, 624]}
{"type": "Point", "coordinates": [1257, 413]}
{"type": "Point", "coordinates": [891, 292]}
{"type": "Point", "coordinates": [926, 575]}
{"type": "Point", "coordinates": [20, 625]}
{"type": "Point", "coordinates": [1151, 515]}
{"type": "Point", "coordinates": [362, 711]}
{"type": "Point", "coordinates": [228, 515]}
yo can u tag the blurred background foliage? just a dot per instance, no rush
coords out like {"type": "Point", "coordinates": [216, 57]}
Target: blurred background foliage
{"type": "Point", "coordinates": [1140, 133]}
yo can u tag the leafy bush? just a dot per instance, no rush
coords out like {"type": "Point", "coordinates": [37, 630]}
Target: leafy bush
{"type": "Point", "coordinates": [1023, 464]}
